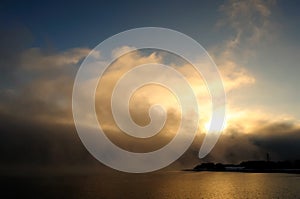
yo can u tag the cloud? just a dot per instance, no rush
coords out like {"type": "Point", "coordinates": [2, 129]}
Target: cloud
{"type": "Point", "coordinates": [35, 111]}
{"type": "Point", "coordinates": [44, 85]}
{"type": "Point", "coordinates": [250, 132]}
{"type": "Point", "coordinates": [38, 60]}
{"type": "Point", "coordinates": [36, 117]}
{"type": "Point", "coordinates": [44, 97]}
{"type": "Point", "coordinates": [250, 21]}
{"type": "Point", "coordinates": [121, 50]}
{"type": "Point", "coordinates": [249, 25]}
{"type": "Point", "coordinates": [281, 140]}
{"type": "Point", "coordinates": [235, 77]}
{"type": "Point", "coordinates": [41, 109]}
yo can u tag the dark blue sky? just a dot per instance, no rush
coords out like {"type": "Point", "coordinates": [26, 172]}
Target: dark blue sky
{"type": "Point", "coordinates": [73, 24]}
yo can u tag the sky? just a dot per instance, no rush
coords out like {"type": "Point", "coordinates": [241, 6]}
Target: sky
{"type": "Point", "coordinates": [254, 43]}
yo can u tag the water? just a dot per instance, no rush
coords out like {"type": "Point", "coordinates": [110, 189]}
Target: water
{"type": "Point", "coordinates": [156, 185]}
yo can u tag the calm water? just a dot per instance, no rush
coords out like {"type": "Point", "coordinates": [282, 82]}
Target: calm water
{"type": "Point", "coordinates": [155, 185]}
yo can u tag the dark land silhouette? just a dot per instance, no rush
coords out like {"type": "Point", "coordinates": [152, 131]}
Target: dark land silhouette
{"type": "Point", "coordinates": [252, 166]}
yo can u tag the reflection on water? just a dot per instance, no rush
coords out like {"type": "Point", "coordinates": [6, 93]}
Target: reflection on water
{"type": "Point", "coordinates": [155, 185]}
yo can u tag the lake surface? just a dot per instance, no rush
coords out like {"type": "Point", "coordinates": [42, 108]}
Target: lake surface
{"type": "Point", "coordinates": [155, 185]}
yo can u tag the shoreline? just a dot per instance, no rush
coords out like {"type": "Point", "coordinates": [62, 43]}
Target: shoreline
{"type": "Point", "coordinates": [288, 171]}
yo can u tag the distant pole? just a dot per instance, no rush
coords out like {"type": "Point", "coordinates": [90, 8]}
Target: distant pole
{"type": "Point", "coordinates": [268, 157]}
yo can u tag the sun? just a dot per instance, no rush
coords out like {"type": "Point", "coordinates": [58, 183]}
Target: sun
{"type": "Point", "coordinates": [208, 128]}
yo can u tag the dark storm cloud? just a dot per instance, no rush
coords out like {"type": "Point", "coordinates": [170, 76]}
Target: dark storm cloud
{"type": "Point", "coordinates": [280, 140]}
{"type": "Point", "coordinates": [24, 142]}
